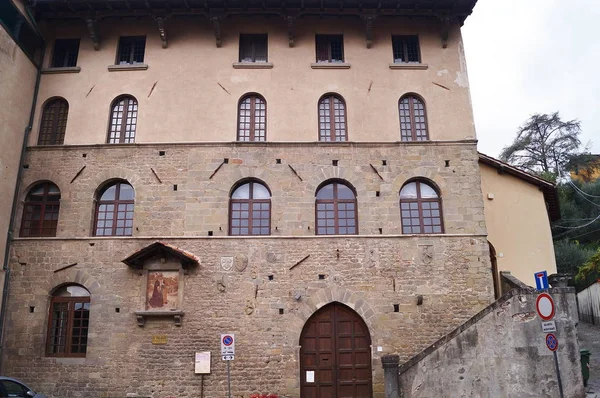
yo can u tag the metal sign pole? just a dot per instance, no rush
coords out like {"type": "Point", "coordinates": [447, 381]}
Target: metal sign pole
{"type": "Point", "coordinates": [560, 388]}
{"type": "Point", "coordinates": [229, 379]}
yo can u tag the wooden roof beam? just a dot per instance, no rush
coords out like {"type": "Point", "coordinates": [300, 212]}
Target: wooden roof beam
{"type": "Point", "coordinates": [160, 21]}
{"type": "Point", "coordinates": [93, 32]}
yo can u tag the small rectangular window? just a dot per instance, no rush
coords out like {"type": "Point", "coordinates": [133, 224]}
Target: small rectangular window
{"type": "Point", "coordinates": [406, 49]}
{"type": "Point", "coordinates": [330, 48]}
{"type": "Point", "coordinates": [253, 48]}
{"type": "Point", "coordinates": [65, 53]}
{"type": "Point", "coordinates": [131, 50]}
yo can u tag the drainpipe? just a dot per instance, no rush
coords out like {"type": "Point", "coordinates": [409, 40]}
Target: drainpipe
{"type": "Point", "coordinates": [11, 223]}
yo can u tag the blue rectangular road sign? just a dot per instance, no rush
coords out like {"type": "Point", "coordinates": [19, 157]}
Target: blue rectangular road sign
{"type": "Point", "coordinates": [541, 280]}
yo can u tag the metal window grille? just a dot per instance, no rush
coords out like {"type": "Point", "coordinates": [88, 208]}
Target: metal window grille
{"type": "Point", "coordinates": [336, 210]}
{"type": "Point", "coordinates": [332, 119]}
{"type": "Point", "coordinates": [40, 212]}
{"type": "Point", "coordinates": [330, 48]}
{"type": "Point", "coordinates": [252, 119]}
{"type": "Point", "coordinates": [421, 215]}
{"type": "Point", "coordinates": [131, 50]}
{"type": "Point", "coordinates": [68, 326]}
{"type": "Point", "coordinates": [123, 121]}
{"type": "Point", "coordinates": [406, 49]}
{"type": "Point", "coordinates": [114, 211]}
{"type": "Point", "coordinates": [413, 121]}
{"type": "Point", "coordinates": [65, 53]}
{"type": "Point", "coordinates": [253, 48]}
{"type": "Point", "coordinates": [54, 123]}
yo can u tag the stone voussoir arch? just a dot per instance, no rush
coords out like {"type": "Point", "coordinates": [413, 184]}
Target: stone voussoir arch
{"type": "Point", "coordinates": [425, 175]}
{"type": "Point", "coordinates": [336, 173]}
{"type": "Point", "coordinates": [248, 173]}
{"type": "Point", "coordinates": [99, 180]}
{"type": "Point", "coordinates": [325, 296]}
{"type": "Point", "coordinates": [33, 179]}
{"type": "Point", "coordinates": [70, 277]}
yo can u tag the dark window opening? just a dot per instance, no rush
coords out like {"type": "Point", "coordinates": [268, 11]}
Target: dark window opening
{"type": "Point", "coordinates": [54, 122]}
{"type": "Point", "coordinates": [250, 210]}
{"type": "Point", "coordinates": [336, 210]}
{"type": "Point", "coordinates": [114, 211]}
{"type": "Point", "coordinates": [252, 119]}
{"type": "Point", "coordinates": [332, 119]}
{"type": "Point", "coordinates": [65, 53]}
{"type": "Point", "coordinates": [413, 122]}
{"type": "Point", "coordinates": [131, 50]}
{"type": "Point", "coordinates": [68, 322]}
{"type": "Point", "coordinates": [406, 49]}
{"type": "Point", "coordinates": [420, 209]}
{"type": "Point", "coordinates": [123, 121]}
{"type": "Point", "coordinates": [330, 48]}
{"type": "Point", "coordinates": [253, 48]}
{"type": "Point", "coordinates": [40, 213]}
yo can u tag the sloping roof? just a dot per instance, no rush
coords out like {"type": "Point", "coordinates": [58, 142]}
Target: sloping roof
{"type": "Point", "coordinates": [548, 188]}
{"type": "Point", "coordinates": [137, 259]}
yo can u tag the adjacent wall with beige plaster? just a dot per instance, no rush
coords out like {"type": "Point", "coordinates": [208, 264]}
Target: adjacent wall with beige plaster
{"type": "Point", "coordinates": [517, 224]}
{"type": "Point", "coordinates": [196, 89]}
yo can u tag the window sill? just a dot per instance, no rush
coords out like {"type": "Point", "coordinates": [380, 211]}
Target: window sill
{"type": "Point", "coordinates": [119, 68]}
{"type": "Point", "coordinates": [330, 65]}
{"type": "Point", "coordinates": [252, 65]}
{"type": "Point", "coordinates": [67, 69]}
{"type": "Point", "coordinates": [142, 315]}
{"type": "Point", "coordinates": [409, 66]}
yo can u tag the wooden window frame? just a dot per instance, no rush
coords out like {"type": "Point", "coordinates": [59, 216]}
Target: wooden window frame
{"type": "Point", "coordinates": [332, 131]}
{"type": "Point", "coordinates": [403, 40]}
{"type": "Point", "coordinates": [253, 40]}
{"type": "Point", "coordinates": [325, 41]}
{"type": "Point", "coordinates": [67, 49]}
{"type": "Point", "coordinates": [132, 42]}
{"type": "Point", "coordinates": [43, 204]}
{"type": "Point", "coordinates": [116, 202]}
{"type": "Point", "coordinates": [419, 200]}
{"type": "Point", "coordinates": [413, 128]}
{"type": "Point", "coordinates": [55, 113]}
{"type": "Point", "coordinates": [335, 202]}
{"type": "Point", "coordinates": [69, 327]}
{"type": "Point", "coordinates": [252, 136]}
{"type": "Point", "coordinates": [123, 129]}
{"type": "Point", "coordinates": [250, 203]}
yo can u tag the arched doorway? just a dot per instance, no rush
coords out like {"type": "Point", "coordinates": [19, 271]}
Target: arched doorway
{"type": "Point", "coordinates": [335, 355]}
{"type": "Point", "coordinates": [495, 275]}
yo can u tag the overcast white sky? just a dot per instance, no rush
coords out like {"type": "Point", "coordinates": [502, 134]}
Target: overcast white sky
{"type": "Point", "coordinates": [533, 56]}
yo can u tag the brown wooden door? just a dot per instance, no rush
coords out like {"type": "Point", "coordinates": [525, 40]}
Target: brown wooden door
{"type": "Point", "coordinates": [335, 355]}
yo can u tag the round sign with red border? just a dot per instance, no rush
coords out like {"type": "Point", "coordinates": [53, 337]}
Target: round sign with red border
{"type": "Point", "coordinates": [551, 342]}
{"type": "Point", "coordinates": [227, 340]}
{"type": "Point", "coordinates": [545, 306]}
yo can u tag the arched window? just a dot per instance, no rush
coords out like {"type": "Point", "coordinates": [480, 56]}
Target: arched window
{"type": "Point", "coordinates": [413, 123]}
{"type": "Point", "coordinates": [332, 118]}
{"type": "Point", "coordinates": [114, 210]}
{"type": "Point", "coordinates": [40, 212]}
{"type": "Point", "coordinates": [421, 209]}
{"type": "Point", "coordinates": [54, 122]}
{"type": "Point", "coordinates": [123, 120]}
{"type": "Point", "coordinates": [68, 322]}
{"type": "Point", "coordinates": [336, 210]}
{"type": "Point", "coordinates": [250, 210]}
{"type": "Point", "coordinates": [252, 118]}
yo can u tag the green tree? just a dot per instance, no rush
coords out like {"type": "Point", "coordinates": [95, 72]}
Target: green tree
{"type": "Point", "coordinates": [544, 144]}
{"type": "Point", "coordinates": [589, 272]}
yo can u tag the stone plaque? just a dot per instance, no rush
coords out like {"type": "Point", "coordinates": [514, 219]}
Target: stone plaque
{"type": "Point", "coordinates": [159, 339]}
{"type": "Point", "coordinates": [240, 262]}
{"type": "Point", "coordinates": [426, 254]}
{"type": "Point", "coordinates": [227, 263]}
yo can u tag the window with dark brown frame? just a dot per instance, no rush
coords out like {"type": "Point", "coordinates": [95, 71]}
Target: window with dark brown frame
{"type": "Point", "coordinates": [68, 322]}
{"type": "Point", "coordinates": [406, 49]}
{"type": "Point", "coordinates": [420, 209]}
{"type": "Point", "coordinates": [65, 53]}
{"type": "Point", "coordinates": [413, 121]}
{"type": "Point", "coordinates": [54, 122]}
{"type": "Point", "coordinates": [114, 210]}
{"type": "Point", "coordinates": [123, 120]}
{"type": "Point", "coordinates": [330, 48]}
{"type": "Point", "coordinates": [336, 210]}
{"type": "Point", "coordinates": [131, 50]}
{"type": "Point", "coordinates": [253, 48]}
{"type": "Point", "coordinates": [252, 119]}
{"type": "Point", "coordinates": [40, 211]}
{"type": "Point", "coordinates": [250, 210]}
{"type": "Point", "coordinates": [332, 119]}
